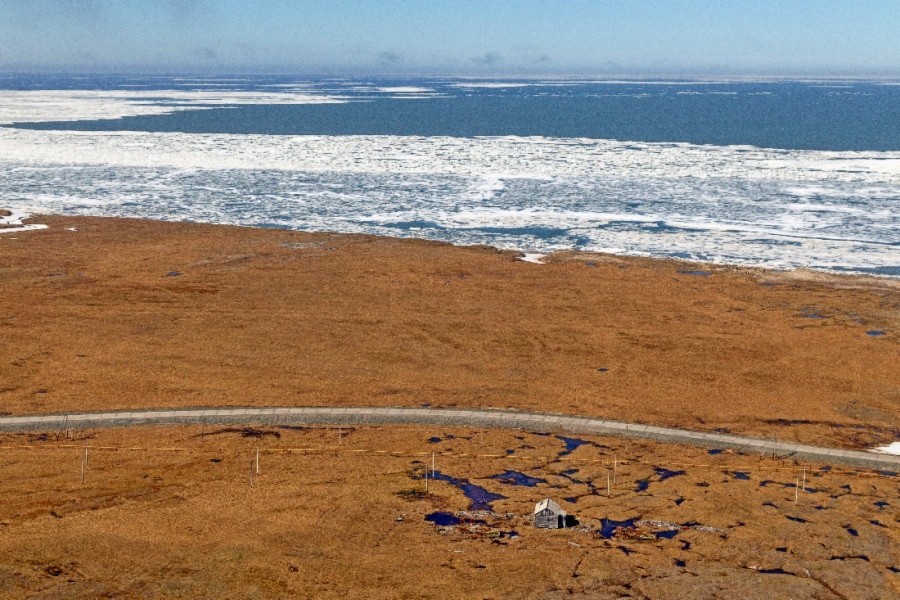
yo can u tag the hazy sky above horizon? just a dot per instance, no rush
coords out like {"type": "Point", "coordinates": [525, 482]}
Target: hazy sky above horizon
{"type": "Point", "coordinates": [500, 37]}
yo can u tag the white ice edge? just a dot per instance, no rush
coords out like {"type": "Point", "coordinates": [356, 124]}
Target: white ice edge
{"type": "Point", "coordinates": [16, 218]}
{"type": "Point", "coordinates": [893, 449]}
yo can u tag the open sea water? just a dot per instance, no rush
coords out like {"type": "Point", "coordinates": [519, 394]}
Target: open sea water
{"type": "Point", "coordinates": [778, 174]}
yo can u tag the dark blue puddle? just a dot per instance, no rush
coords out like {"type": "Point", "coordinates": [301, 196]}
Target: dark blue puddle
{"type": "Point", "coordinates": [685, 545]}
{"type": "Point", "coordinates": [516, 478]}
{"type": "Point", "coordinates": [796, 519]}
{"type": "Point", "coordinates": [878, 523]}
{"type": "Point", "coordinates": [568, 475]}
{"type": "Point", "coordinates": [678, 501]}
{"type": "Point", "coordinates": [782, 549]}
{"type": "Point", "coordinates": [215, 460]}
{"type": "Point", "coordinates": [769, 504]}
{"type": "Point", "coordinates": [642, 485]}
{"type": "Point", "coordinates": [740, 475]}
{"type": "Point", "coordinates": [604, 370]}
{"type": "Point", "coordinates": [480, 497]}
{"type": "Point", "coordinates": [443, 519]}
{"type": "Point", "coordinates": [666, 535]}
{"type": "Point", "coordinates": [825, 468]}
{"type": "Point", "coordinates": [851, 531]}
{"type": "Point", "coordinates": [172, 274]}
{"type": "Point", "coordinates": [510, 451]}
{"type": "Point", "coordinates": [571, 499]}
{"type": "Point", "coordinates": [820, 507]}
{"type": "Point", "coordinates": [875, 333]}
{"type": "Point", "coordinates": [893, 569]}
{"type": "Point", "coordinates": [526, 447]}
{"type": "Point", "coordinates": [437, 440]}
{"type": "Point", "coordinates": [608, 529]}
{"type": "Point", "coordinates": [696, 273]}
{"type": "Point", "coordinates": [425, 404]}
{"type": "Point", "coordinates": [881, 504]}
{"type": "Point", "coordinates": [715, 451]}
{"type": "Point", "coordinates": [679, 563]}
{"type": "Point", "coordinates": [667, 474]}
{"type": "Point", "coordinates": [589, 264]}
{"type": "Point", "coordinates": [572, 444]}
{"type": "Point", "coordinates": [773, 572]}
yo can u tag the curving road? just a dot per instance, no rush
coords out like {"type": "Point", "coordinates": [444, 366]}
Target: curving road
{"type": "Point", "coordinates": [443, 416]}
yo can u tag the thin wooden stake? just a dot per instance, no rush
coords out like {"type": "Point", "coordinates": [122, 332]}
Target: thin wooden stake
{"type": "Point", "coordinates": [86, 459]}
{"type": "Point", "coordinates": [797, 492]}
{"type": "Point", "coordinates": [251, 472]}
{"type": "Point", "coordinates": [257, 460]}
{"type": "Point", "coordinates": [804, 479]}
{"type": "Point", "coordinates": [82, 469]}
{"type": "Point", "coordinates": [615, 468]}
{"type": "Point", "coordinates": [432, 464]}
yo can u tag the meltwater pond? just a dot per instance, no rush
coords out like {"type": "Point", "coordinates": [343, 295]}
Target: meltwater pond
{"type": "Point", "coordinates": [480, 497]}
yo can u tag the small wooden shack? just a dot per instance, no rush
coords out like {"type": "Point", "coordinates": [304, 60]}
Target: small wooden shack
{"type": "Point", "coordinates": [548, 514]}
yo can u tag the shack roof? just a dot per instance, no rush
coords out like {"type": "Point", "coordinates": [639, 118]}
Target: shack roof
{"type": "Point", "coordinates": [548, 503]}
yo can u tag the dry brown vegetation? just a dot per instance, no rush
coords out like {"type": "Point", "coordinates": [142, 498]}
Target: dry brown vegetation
{"type": "Point", "coordinates": [169, 512]}
{"type": "Point", "coordinates": [134, 314]}
{"type": "Point", "coordinates": [129, 313]}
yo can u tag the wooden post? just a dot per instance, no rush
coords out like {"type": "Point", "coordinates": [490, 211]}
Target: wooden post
{"type": "Point", "coordinates": [797, 492]}
{"type": "Point", "coordinates": [257, 460]}
{"type": "Point", "coordinates": [86, 463]}
{"type": "Point", "coordinates": [804, 479]}
{"type": "Point", "coordinates": [615, 468]}
{"type": "Point", "coordinates": [432, 464]}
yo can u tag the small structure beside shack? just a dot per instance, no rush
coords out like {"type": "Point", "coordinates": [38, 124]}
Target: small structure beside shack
{"type": "Point", "coordinates": [548, 514]}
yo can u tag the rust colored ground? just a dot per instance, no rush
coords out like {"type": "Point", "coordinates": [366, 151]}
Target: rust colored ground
{"type": "Point", "coordinates": [169, 513]}
{"type": "Point", "coordinates": [135, 314]}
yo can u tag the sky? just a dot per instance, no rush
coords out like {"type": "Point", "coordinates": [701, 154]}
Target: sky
{"type": "Point", "coordinates": [453, 37]}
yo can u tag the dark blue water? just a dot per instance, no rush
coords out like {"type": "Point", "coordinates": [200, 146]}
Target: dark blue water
{"type": "Point", "coordinates": [666, 535]}
{"type": "Point", "coordinates": [572, 444]}
{"type": "Point", "coordinates": [444, 519]}
{"type": "Point", "coordinates": [609, 526]}
{"type": "Point", "coordinates": [517, 478]}
{"type": "Point", "coordinates": [666, 473]}
{"type": "Point", "coordinates": [480, 497]}
{"type": "Point", "coordinates": [790, 115]}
